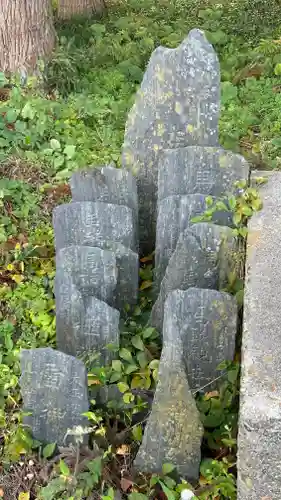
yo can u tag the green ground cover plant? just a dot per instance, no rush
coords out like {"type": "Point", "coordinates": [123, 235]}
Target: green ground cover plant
{"type": "Point", "coordinates": [75, 117]}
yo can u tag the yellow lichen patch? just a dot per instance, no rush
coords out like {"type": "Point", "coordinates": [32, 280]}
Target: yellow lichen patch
{"type": "Point", "coordinates": [223, 161]}
{"type": "Point", "coordinates": [189, 128]}
{"type": "Point", "coordinates": [178, 108]}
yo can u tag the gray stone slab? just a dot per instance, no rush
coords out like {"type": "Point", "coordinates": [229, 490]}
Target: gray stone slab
{"type": "Point", "coordinates": [54, 390]}
{"type": "Point", "coordinates": [174, 216]}
{"type": "Point", "coordinates": [202, 258]}
{"type": "Point", "coordinates": [259, 437]}
{"type": "Point", "coordinates": [207, 170]}
{"type": "Point", "coordinates": [92, 224]}
{"type": "Point", "coordinates": [173, 432]}
{"type": "Point", "coordinates": [127, 263]}
{"type": "Point", "coordinates": [92, 270]}
{"type": "Point", "coordinates": [206, 322]}
{"type": "Point", "coordinates": [85, 325]}
{"type": "Point", "coordinates": [106, 184]}
{"type": "Point", "coordinates": [177, 105]}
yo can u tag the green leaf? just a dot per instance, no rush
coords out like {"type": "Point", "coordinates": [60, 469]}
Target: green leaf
{"type": "Point", "coordinates": [115, 376]}
{"type": "Point", "coordinates": [11, 115]}
{"type": "Point", "coordinates": [131, 368]}
{"type": "Point", "coordinates": [117, 365]}
{"type": "Point", "coordinates": [125, 354]}
{"type": "Point", "coordinates": [142, 359]}
{"type": "Point", "coordinates": [55, 144]}
{"type": "Point", "coordinates": [137, 433]}
{"type": "Point", "coordinates": [49, 450]}
{"type": "Point", "coordinates": [247, 211]}
{"type": "Point", "coordinates": [122, 387]}
{"type": "Point", "coordinates": [128, 397]}
{"type": "Point", "coordinates": [171, 483]}
{"type": "Point", "coordinates": [69, 151]}
{"type": "Point", "coordinates": [58, 162]}
{"type": "Point", "coordinates": [28, 111]}
{"type": "Point", "coordinates": [148, 332]}
{"type": "Point", "coordinates": [137, 342]}
{"type": "Point", "coordinates": [167, 468]}
{"type": "Point", "coordinates": [232, 202]}
{"type": "Point", "coordinates": [154, 364]}
{"type": "Point", "coordinates": [169, 494]}
{"type": "Point", "coordinates": [237, 218]}
{"type": "Point", "coordinates": [64, 468]}
{"type": "Point", "coordinates": [137, 496]}
{"type": "Point", "coordinates": [277, 69]}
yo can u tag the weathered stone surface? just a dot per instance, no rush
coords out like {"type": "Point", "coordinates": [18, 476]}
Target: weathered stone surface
{"type": "Point", "coordinates": [128, 275]}
{"type": "Point", "coordinates": [207, 170]}
{"type": "Point", "coordinates": [174, 216]}
{"type": "Point", "coordinates": [92, 270]}
{"type": "Point", "coordinates": [173, 431]}
{"type": "Point", "coordinates": [177, 105]}
{"type": "Point", "coordinates": [202, 258]}
{"type": "Point", "coordinates": [85, 325]}
{"type": "Point", "coordinates": [106, 184]}
{"type": "Point", "coordinates": [92, 224]}
{"type": "Point", "coordinates": [259, 438]}
{"type": "Point", "coordinates": [54, 389]}
{"type": "Point", "coordinates": [206, 322]}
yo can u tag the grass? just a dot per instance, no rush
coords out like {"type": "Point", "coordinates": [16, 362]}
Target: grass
{"type": "Point", "coordinates": [79, 119]}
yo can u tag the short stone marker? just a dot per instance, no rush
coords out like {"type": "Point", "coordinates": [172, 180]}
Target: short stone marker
{"type": "Point", "coordinates": [202, 259]}
{"type": "Point", "coordinates": [54, 390]}
{"type": "Point", "coordinates": [92, 270]}
{"type": "Point", "coordinates": [208, 170]}
{"type": "Point", "coordinates": [259, 436]}
{"type": "Point", "coordinates": [93, 224]}
{"type": "Point", "coordinates": [175, 214]}
{"type": "Point", "coordinates": [206, 321]}
{"type": "Point", "coordinates": [173, 432]}
{"type": "Point", "coordinates": [177, 105]}
{"type": "Point", "coordinates": [106, 184]}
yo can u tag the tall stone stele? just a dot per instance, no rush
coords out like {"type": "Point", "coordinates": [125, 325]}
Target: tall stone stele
{"type": "Point", "coordinates": [177, 106]}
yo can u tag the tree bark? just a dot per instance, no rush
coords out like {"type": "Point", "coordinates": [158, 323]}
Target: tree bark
{"type": "Point", "coordinates": [26, 33]}
{"type": "Point", "coordinates": [69, 8]}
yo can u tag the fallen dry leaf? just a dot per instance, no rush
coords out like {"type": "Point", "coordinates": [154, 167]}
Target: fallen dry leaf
{"type": "Point", "coordinates": [125, 484]}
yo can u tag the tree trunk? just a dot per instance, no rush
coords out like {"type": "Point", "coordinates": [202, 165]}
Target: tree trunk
{"type": "Point", "coordinates": [69, 8]}
{"type": "Point", "coordinates": [26, 33]}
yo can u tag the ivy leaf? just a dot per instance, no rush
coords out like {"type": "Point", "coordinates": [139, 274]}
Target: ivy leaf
{"type": "Point", "coordinates": [232, 202]}
{"type": "Point", "coordinates": [131, 368]}
{"type": "Point", "coordinates": [122, 387]}
{"type": "Point", "coordinates": [142, 359]}
{"type": "Point", "coordinates": [11, 115]}
{"type": "Point", "coordinates": [128, 397]}
{"type": "Point", "coordinates": [167, 468]}
{"type": "Point", "coordinates": [49, 450]}
{"type": "Point", "coordinates": [137, 433]}
{"type": "Point", "coordinates": [247, 211]}
{"type": "Point", "coordinates": [64, 469]}
{"type": "Point", "coordinates": [125, 354]}
{"type": "Point", "coordinates": [117, 365]}
{"type": "Point", "coordinates": [148, 332]}
{"type": "Point", "coordinates": [169, 494]}
{"type": "Point", "coordinates": [154, 364]}
{"type": "Point", "coordinates": [137, 496]}
{"type": "Point", "coordinates": [58, 162]}
{"type": "Point", "coordinates": [55, 144]}
{"type": "Point", "coordinates": [138, 343]}
{"type": "Point", "coordinates": [69, 151]}
{"type": "Point", "coordinates": [115, 376]}
{"type": "Point", "coordinates": [28, 111]}
{"type": "Point", "coordinates": [146, 284]}
{"type": "Point", "coordinates": [237, 218]}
